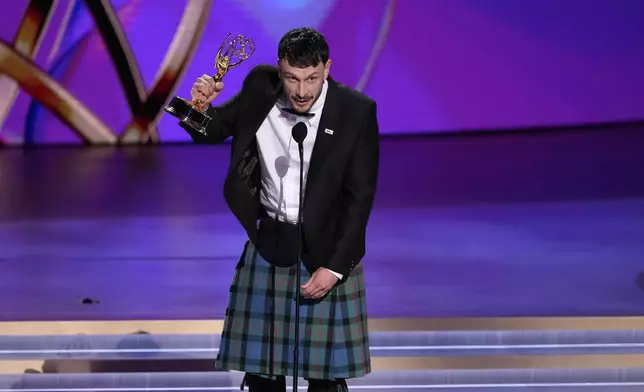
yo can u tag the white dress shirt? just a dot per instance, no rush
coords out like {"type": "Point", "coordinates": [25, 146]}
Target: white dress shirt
{"type": "Point", "coordinates": [280, 159]}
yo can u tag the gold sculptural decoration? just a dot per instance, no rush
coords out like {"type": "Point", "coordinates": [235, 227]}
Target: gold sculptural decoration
{"type": "Point", "coordinates": [26, 44]}
{"type": "Point", "coordinates": [16, 63]}
{"type": "Point", "coordinates": [231, 53]}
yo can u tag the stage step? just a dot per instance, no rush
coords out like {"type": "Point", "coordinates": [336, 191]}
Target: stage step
{"type": "Point", "coordinates": [464, 361]}
{"type": "Point", "coordinates": [458, 380]}
{"type": "Point", "coordinates": [383, 344]}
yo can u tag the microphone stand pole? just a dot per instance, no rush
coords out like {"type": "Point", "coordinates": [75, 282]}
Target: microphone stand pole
{"type": "Point", "coordinates": [297, 271]}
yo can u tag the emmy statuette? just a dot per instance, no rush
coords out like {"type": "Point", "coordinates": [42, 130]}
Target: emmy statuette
{"type": "Point", "coordinates": [231, 54]}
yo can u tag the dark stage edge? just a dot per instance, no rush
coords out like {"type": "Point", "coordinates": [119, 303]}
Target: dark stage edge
{"type": "Point", "coordinates": [468, 380]}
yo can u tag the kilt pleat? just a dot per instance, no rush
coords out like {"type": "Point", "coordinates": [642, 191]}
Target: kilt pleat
{"type": "Point", "coordinates": [259, 328]}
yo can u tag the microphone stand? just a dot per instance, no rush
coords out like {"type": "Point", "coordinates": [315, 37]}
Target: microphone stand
{"type": "Point", "coordinates": [297, 271]}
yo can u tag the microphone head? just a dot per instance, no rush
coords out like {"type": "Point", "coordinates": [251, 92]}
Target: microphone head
{"type": "Point", "coordinates": [299, 132]}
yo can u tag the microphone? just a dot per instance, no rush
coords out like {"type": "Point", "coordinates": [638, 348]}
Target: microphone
{"type": "Point", "coordinates": [299, 133]}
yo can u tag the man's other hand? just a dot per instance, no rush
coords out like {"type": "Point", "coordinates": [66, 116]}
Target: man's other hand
{"type": "Point", "coordinates": [319, 285]}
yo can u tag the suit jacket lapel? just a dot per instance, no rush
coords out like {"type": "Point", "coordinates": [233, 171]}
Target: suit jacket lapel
{"type": "Point", "coordinates": [324, 141]}
{"type": "Point", "coordinates": [250, 125]}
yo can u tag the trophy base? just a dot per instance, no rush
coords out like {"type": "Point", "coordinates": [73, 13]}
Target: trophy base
{"type": "Point", "coordinates": [183, 110]}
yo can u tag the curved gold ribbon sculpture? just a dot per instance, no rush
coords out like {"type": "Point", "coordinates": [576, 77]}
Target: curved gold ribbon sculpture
{"type": "Point", "coordinates": [376, 49]}
{"type": "Point", "coordinates": [26, 42]}
{"type": "Point", "coordinates": [146, 107]}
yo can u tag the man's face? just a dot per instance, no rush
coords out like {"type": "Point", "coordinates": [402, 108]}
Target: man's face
{"type": "Point", "coordinates": [303, 86]}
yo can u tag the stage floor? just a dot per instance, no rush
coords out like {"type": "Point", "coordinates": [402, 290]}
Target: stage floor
{"type": "Point", "coordinates": [487, 225]}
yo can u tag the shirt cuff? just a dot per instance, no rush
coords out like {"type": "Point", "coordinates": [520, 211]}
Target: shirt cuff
{"type": "Point", "coordinates": [337, 275]}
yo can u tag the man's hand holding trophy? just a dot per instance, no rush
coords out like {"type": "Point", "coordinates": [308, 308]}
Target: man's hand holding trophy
{"type": "Point", "coordinates": [207, 88]}
{"type": "Point", "coordinates": [204, 91]}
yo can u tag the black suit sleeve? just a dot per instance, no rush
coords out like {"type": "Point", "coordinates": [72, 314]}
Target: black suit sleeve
{"type": "Point", "coordinates": [359, 188]}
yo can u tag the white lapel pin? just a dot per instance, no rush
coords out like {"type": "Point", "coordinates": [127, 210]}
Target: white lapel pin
{"type": "Point", "coordinates": [329, 131]}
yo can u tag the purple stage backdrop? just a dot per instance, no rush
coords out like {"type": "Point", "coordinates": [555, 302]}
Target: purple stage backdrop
{"type": "Point", "coordinates": [432, 65]}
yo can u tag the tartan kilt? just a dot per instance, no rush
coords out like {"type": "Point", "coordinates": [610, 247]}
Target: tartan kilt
{"type": "Point", "coordinates": [258, 333]}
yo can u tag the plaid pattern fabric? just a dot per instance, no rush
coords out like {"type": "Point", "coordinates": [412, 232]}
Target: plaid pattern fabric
{"type": "Point", "coordinates": [258, 335]}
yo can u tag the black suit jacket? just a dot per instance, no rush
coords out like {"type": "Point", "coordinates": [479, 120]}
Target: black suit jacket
{"type": "Point", "coordinates": [342, 174]}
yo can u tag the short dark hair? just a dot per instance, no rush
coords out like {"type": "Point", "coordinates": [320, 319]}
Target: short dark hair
{"type": "Point", "coordinates": [303, 47]}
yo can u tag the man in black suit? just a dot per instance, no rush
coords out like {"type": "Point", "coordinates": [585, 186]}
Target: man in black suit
{"type": "Point", "coordinates": [341, 157]}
